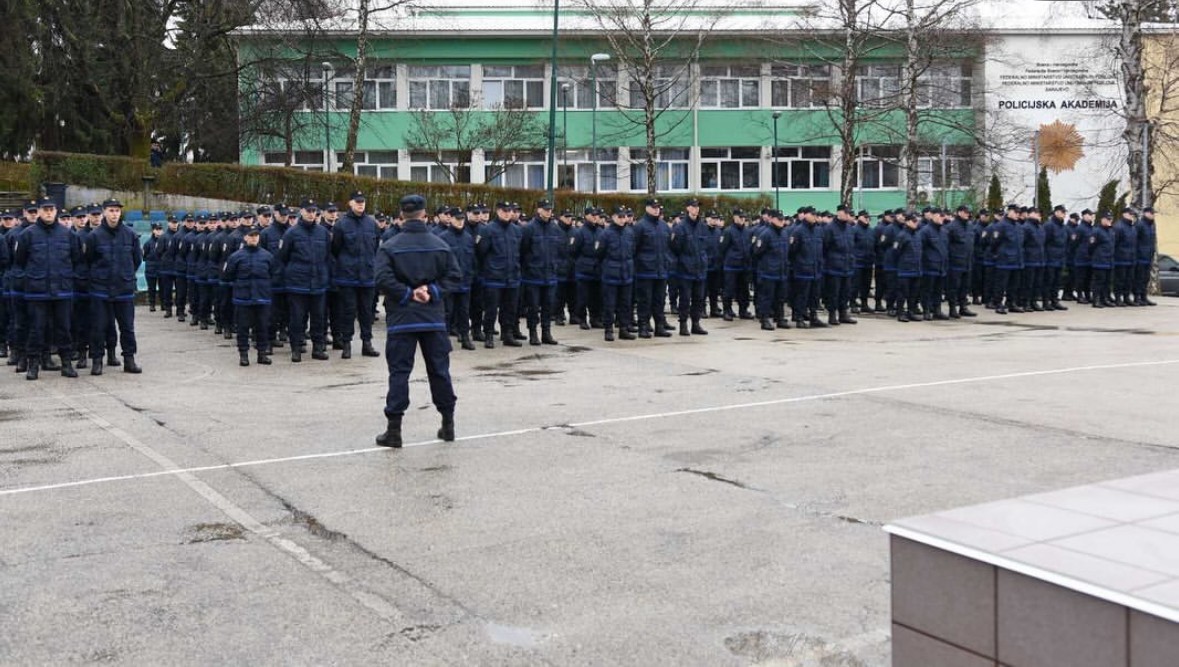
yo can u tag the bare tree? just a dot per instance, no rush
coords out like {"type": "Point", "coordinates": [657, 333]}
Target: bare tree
{"type": "Point", "coordinates": [451, 136]}
{"type": "Point", "coordinates": [656, 43]}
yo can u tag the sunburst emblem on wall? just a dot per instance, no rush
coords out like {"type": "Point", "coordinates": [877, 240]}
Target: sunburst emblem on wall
{"type": "Point", "coordinates": [1060, 146]}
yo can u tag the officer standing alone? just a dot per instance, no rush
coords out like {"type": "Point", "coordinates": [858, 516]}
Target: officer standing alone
{"type": "Point", "coordinates": [416, 270]}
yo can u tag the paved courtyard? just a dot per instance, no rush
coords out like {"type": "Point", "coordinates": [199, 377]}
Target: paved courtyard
{"type": "Point", "coordinates": [704, 501]}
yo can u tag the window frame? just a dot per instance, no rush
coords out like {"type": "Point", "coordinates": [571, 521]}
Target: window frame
{"type": "Point", "coordinates": [799, 74]}
{"type": "Point", "coordinates": [417, 75]}
{"type": "Point", "coordinates": [740, 75]}
{"type": "Point", "coordinates": [792, 157]}
{"type": "Point", "coordinates": [664, 167]}
{"type": "Point", "coordinates": [723, 164]}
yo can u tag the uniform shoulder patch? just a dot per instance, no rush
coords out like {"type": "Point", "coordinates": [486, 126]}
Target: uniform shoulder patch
{"type": "Point", "coordinates": [896, 244]}
{"type": "Point", "coordinates": [597, 244]}
{"type": "Point", "coordinates": [1092, 239]}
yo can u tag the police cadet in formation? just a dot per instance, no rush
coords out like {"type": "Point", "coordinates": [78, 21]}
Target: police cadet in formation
{"type": "Point", "coordinates": [151, 264]}
{"type": "Point", "coordinates": [615, 249]}
{"type": "Point", "coordinates": [46, 253]}
{"type": "Point", "coordinates": [908, 248]}
{"type": "Point", "coordinates": [541, 243]}
{"type": "Point", "coordinates": [1147, 248]}
{"type": "Point", "coordinates": [960, 248]}
{"type": "Point", "coordinates": [113, 255]}
{"type": "Point", "coordinates": [354, 244]}
{"type": "Point", "coordinates": [863, 262]}
{"type": "Point", "coordinates": [979, 269]}
{"type": "Point", "coordinates": [458, 300]}
{"type": "Point", "coordinates": [583, 250]}
{"type": "Point", "coordinates": [886, 259]}
{"type": "Point", "coordinates": [771, 260]}
{"type": "Point", "coordinates": [497, 247]}
{"type": "Point", "coordinates": [734, 249]}
{"type": "Point", "coordinates": [806, 269]}
{"type": "Point", "coordinates": [1125, 238]}
{"type": "Point", "coordinates": [415, 270]}
{"type": "Point", "coordinates": [251, 272]}
{"type": "Point", "coordinates": [165, 266]}
{"type": "Point", "coordinates": [1055, 250]}
{"type": "Point", "coordinates": [305, 252]}
{"type": "Point", "coordinates": [934, 265]}
{"type": "Point", "coordinates": [689, 242]}
{"type": "Point", "coordinates": [270, 239]}
{"type": "Point", "coordinates": [1100, 253]}
{"type": "Point", "coordinates": [652, 241]}
{"type": "Point", "coordinates": [566, 277]}
{"type": "Point", "coordinates": [838, 247]}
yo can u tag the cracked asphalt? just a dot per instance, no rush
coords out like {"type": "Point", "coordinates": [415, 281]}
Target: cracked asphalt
{"type": "Point", "coordinates": [698, 501]}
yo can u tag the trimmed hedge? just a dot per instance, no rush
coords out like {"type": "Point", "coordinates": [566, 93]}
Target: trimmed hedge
{"type": "Point", "coordinates": [17, 177]}
{"type": "Point", "coordinates": [251, 184]}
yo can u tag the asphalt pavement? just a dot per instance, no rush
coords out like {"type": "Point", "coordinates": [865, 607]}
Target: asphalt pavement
{"type": "Point", "coordinates": [709, 500]}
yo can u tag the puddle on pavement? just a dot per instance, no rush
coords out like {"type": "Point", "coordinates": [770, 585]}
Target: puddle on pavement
{"type": "Point", "coordinates": [214, 532]}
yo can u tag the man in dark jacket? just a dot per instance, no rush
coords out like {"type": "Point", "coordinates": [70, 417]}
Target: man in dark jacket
{"type": "Point", "coordinates": [615, 248]}
{"type": "Point", "coordinates": [497, 245]}
{"type": "Point", "coordinates": [416, 270]}
{"type": "Point", "coordinates": [734, 249]}
{"type": "Point", "coordinates": [458, 301]}
{"type": "Point", "coordinates": [354, 247]}
{"type": "Point", "coordinates": [270, 239]}
{"type": "Point", "coordinates": [541, 243]}
{"type": "Point", "coordinates": [46, 253]}
{"type": "Point", "coordinates": [305, 252]}
{"type": "Point", "coordinates": [250, 274]}
{"type": "Point", "coordinates": [652, 254]}
{"type": "Point", "coordinates": [585, 270]}
{"type": "Point", "coordinates": [113, 255]}
{"type": "Point", "coordinates": [690, 239]}
{"type": "Point", "coordinates": [1147, 246]}
{"type": "Point", "coordinates": [151, 264]}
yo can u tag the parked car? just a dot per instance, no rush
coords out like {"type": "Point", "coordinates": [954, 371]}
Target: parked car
{"type": "Point", "coordinates": [1168, 275]}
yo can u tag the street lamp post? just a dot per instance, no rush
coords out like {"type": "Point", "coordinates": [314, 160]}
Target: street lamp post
{"type": "Point", "coordinates": [327, 128]}
{"type": "Point", "coordinates": [777, 179]}
{"type": "Point", "coordinates": [551, 161]}
{"type": "Point", "coordinates": [565, 129]}
{"type": "Point", "coordinates": [594, 60]}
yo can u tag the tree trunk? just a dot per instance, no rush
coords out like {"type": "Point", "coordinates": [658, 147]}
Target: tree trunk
{"type": "Point", "coordinates": [1134, 87]}
{"type": "Point", "coordinates": [649, 112]}
{"type": "Point", "coordinates": [357, 86]}
{"type": "Point", "coordinates": [847, 103]}
{"type": "Point", "coordinates": [910, 148]}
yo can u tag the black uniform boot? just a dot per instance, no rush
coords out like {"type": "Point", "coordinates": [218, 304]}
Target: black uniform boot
{"type": "Point", "coordinates": [319, 352]}
{"type": "Point", "coordinates": [584, 325]}
{"type": "Point", "coordinates": [83, 360]}
{"type": "Point", "coordinates": [34, 370]}
{"type": "Point", "coordinates": [392, 435]}
{"type": "Point", "coordinates": [168, 314]}
{"type": "Point", "coordinates": [817, 323]}
{"type": "Point", "coordinates": [745, 314]}
{"type": "Point", "coordinates": [67, 369]}
{"type": "Point", "coordinates": [22, 363]}
{"type": "Point", "coordinates": [783, 323]}
{"type": "Point", "coordinates": [966, 312]}
{"type": "Point", "coordinates": [129, 365]}
{"type": "Point", "coordinates": [180, 317]}
{"type": "Point", "coordinates": [446, 433]}
{"type": "Point", "coordinates": [509, 338]}
{"type": "Point", "coordinates": [644, 332]}
{"type": "Point", "coordinates": [367, 349]}
{"type": "Point", "coordinates": [698, 330]}
{"type": "Point", "coordinates": [264, 358]}
{"type": "Point", "coordinates": [954, 312]}
{"type": "Point", "coordinates": [845, 318]}
{"type": "Point", "coordinates": [533, 338]}
{"type": "Point", "coordinates": [243, 359]}
{"type": "Point", "coordinates": [296, 354]}
{"type": "Point", "coordinates": [939, 315]}
{"type": "Point", "coordinates": [767, 325]}
{"type": "Point", "coordinates": [662, 330]}
{"type": "Point", "coordinates": [112, 360]}
{"type": "Point", "coordinates": [832, 320]}
{"type": "Point", "coordinates": [337, 344]}
{"type": "Point", "coordinates": [624, 333]}
{"type": "Point", "coordinates": [546, 336]}
{"type": "Point", "coordinates": [608, 335]}
{"type": "Point", "coordinates": [49, 364]}
{"type": "Point", "coordinates": [684, 329]}
{"type": "Point", "coordinates": [465, 342]}
{"type": "Point", "coordinates": [727, 315]}
{"type": "Point", "coordinates": [96, 367]}
{"type": "Point", "coordinates": [903, 316]}
{"type": "Point", "coordinates": [346, 350]}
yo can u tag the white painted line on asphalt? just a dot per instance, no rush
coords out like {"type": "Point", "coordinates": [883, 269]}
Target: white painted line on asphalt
{"type": "Point", "coordinates": [175, 470]}
{"type": "Point", "coordinates": [296, 551]}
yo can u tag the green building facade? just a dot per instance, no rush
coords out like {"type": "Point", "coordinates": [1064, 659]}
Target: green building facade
{"type": "Point", "coordinates": [717, 136]}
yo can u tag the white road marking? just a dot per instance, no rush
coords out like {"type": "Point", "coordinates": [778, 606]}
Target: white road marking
{"type": "Point", "coordinates": [171, 469]}
{"type": "Point", "coordinates": [301, 555]}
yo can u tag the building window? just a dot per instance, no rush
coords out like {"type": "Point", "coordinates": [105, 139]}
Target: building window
{"type": "Point", "coordinates": [671, 169]}
{"type": "Point", "coordinates": [878, 168]}
{"type": "Point", "coordinates": [442, 167]}
{"type": "Point", "coordinates": [377, 164]}
{"type": "Point", "coordinates": [945, 86]}
{"type": "Point", "coordinates": [577, 170]}
{"type": "Point", "coordinates": [291, 90]}
{"type": "Point", "coordinates": [380, 88]}
{"type": "Point", "coordinates": [730, 86]}
{"type": "Point", "coordinates": [878, 85]}
{"type": "Point", "coordinates": [580, 82]}
{"type": "Point", "coordinates": [952, 172]}
{"type": "Point", "coordinates": [802, 168]}
{"type": "Point", "coordinates": [668, 84]}
{"type": "Point", "coordinates": [439, 86]}
{"type": "Point", "coordinates": [799, 86]}
{"type": "Point", "coordinates": [513, 86]}
{"type": "Point", "coordinates": [305, 160]}
{"type": "Point", "coordinates": [523, 169]}
{"type": "Point", "coordinates": [730, 168]}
